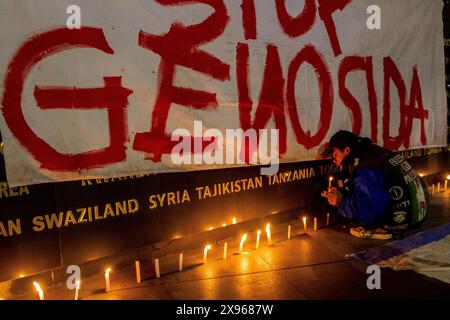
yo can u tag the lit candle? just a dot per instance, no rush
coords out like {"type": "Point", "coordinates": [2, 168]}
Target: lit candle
{"type": "Point", "coordinates": [138, 271]}
{"type": "Point", "coordinates": [39, 290]}
{"type": "Point", "coordinates": [269, 237]}
{"type": "Point", "coordinates": [180, 262]}
{"type": "Point", "coordinates": [329, 182]}
{"type": "Point", "coordinates": [77, 289]}
{"type": "Point", "coordinates": [328, 219]}
{"type": "Point", "coordinates": [234, 220]}
{"type": "Point", "coordinates": [205, 253]}
{"type": "Point", "coordinates": [241, 244]}
{"type": "Point", "coordinates": [157, 272]}
{"type": "Point", "coordinates": [304, 224]}
{"type": "Point", "coordinates": [439, 187]}
{"type": "Point", "coordinates": [225, 250]}
{"type": "Point", "coordinates": [108, 284]}
{"type": "Point", "coordinates": [258, 236]}
{"type": "Point", "coordinates": [289, 232]}
{"type": "Point", "coordinates": [315, 223]}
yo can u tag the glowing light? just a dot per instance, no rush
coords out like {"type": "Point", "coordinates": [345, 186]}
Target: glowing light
{"type": "Point", "coordinates": [137, 264]}
{"type": "Point", "coordinates": [269, 236]}
{"type": "Point", "coordinates": [421, 174]}
{"type": "Point", "coordinates": [304, 224]}
{"type": "Point", "coordinates": [241, 244]}
{"type": "Point", "coordinates": [205, 253]}
{"type": "Point", "coordinates": [289, 232]}
{"type": "Point", "coordinates": [329, 182]}
{"type": "Point", "coordinates": [234, 220]}
{"type": "Point", "coordinates": [448, 177]}
{"type": "Point", "coordinates": [210, 228]}
{"type": "Point", "coordinates": [258, 236]}
{"type": "Point", "coordinates": [224, 225]}
{"type": "Point", "coordinates": [328, 219]}
{"type": "Point", "coordinates": [107, 281]}
{"type": "Point", "coordinates": [315, 223]}
{"type": "Point", "coordinates": [21, 275]}
{"type": "Point", "coordinates": [39, 290]}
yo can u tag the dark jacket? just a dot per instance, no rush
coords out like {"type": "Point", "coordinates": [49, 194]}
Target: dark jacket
{"type": "Point", "coordinates": [366, 193]}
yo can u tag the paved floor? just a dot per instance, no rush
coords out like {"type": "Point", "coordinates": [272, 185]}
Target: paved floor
{"type": "Point", "coordinates": [311, 265]}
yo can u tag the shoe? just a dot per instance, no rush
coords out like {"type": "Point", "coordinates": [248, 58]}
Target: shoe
{"type": "Point", "coordinates": [379, 234]}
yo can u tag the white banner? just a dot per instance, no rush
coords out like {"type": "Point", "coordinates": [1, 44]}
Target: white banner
{"type": "Point", "coordinates": [97, 89]}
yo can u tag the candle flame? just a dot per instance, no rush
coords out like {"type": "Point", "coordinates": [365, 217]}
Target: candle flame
{"type": "Point", "coordinates": [421, 174]}
{"type": "Point", "coordinates": [224, 225]}
{"type": "Point", "coordinates": [331, 179]}
{"type": "Point", "coordinates": [268, 228]}
{"type": "Point", "coordinates": [38, 288]}
{"type": "Point", "coordinates": [21, 275]}
{"type": "Point", "coordinates": [259, 232]}
{"type": "Point", "coordinates": [241, 245]}
{"type": "Point", "coordinates": [234, 220]}
{"type": "Point", "coordinates": [448, 177]}
{"type": "Point", "coordinates": [208, 247]}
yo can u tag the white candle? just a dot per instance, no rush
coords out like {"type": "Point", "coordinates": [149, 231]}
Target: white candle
{"type": "Point", "coordinates": [180, 262]}
{"type": "Point", "coordinates": [205, 253]}
{"type": "Point", "coordinates": [234, 220]}
{"type": "Point", "coordinates": [439, 187]}
{"type": "Point", "coordinates": [328, 219]}
{"type": "Point", "coordinates": [107, 282]}
{"type": "Point", "coordinates": [225, 250]}
{"type": "Point", "coordinates": [269, 236]}
{"type": "Point", "coordinates": [241, 244]}
{"type": "Point", "coordinates": [329, 182]}
{"type": "Point", "coordinates": [77, 289]}
{"type": "Point", "coordinates": [39, 290]}
{"type": "Point", "coordinates": [258, 236]}
{"type": "Point", "coordinates": [157, 273]}
{"type": "Point", "coordinates": [138, 271]}
{"type": "Point", "coordinates": [315, 223]}
{"type": "Point", "coordinates": [304, 224]}
{"type": "Point", "coordinates": [289, 232]}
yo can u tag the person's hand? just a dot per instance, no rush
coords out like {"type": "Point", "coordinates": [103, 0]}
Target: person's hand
{"type": "Point", "coordinates": [333, 195]}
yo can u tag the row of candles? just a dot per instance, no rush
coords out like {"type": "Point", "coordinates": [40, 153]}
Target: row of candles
{"type": "Point", "coordinates": [206, 249]}
{"type": "Point", "coordinates": [435, 190]}
{"type": "Point", "coordinates": [244, 238]}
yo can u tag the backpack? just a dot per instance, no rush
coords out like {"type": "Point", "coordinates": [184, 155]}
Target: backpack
{"type": "Point", "coordinates": [408, 193]}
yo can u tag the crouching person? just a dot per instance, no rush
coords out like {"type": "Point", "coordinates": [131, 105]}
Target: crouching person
{"type": "Point", "coordinates": [383, 194]}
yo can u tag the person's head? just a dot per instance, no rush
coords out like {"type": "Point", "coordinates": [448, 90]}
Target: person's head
{"type": "Point", "coordinates": [340, 147]}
